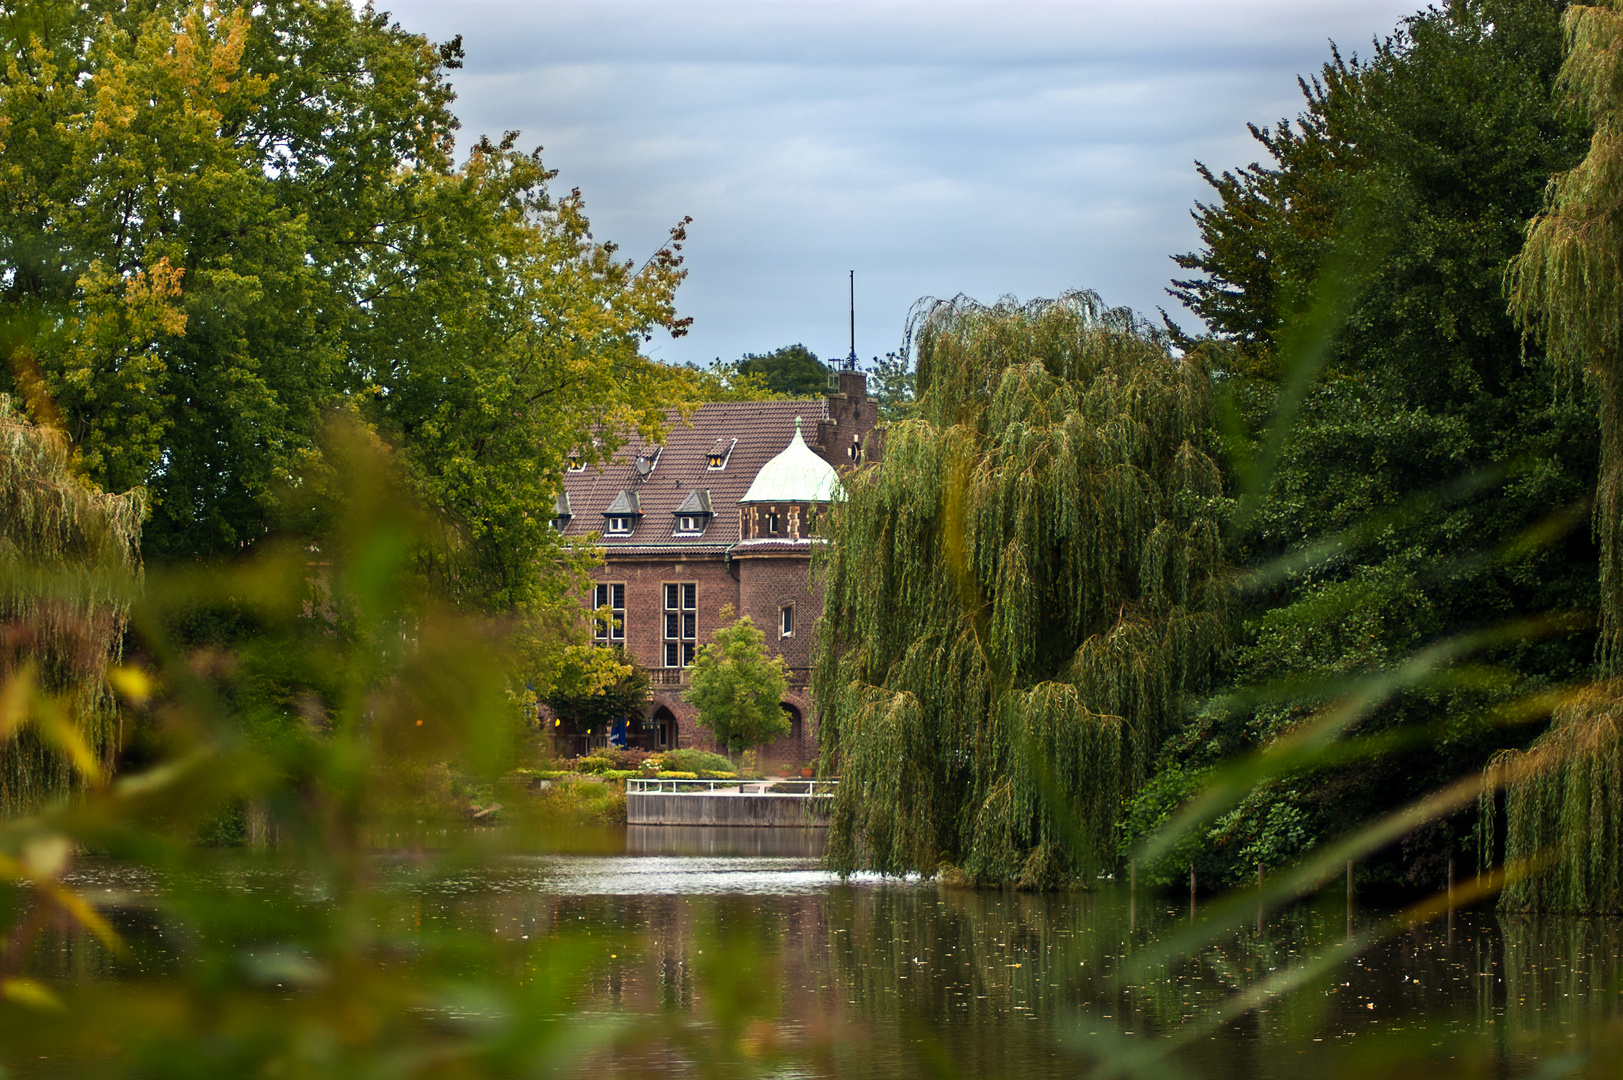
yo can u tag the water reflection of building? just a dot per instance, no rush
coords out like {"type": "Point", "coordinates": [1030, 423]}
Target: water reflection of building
{"type": "Point", "coordinates": [720, 515]}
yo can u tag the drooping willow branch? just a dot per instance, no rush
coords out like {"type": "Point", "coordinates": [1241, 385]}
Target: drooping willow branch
{"type": "Point", "coordinates": [1018, 597]}
{"type": "Point", "coordinates": [68, 554]}
{"type": "Point", "coordinates": [1567, 289]}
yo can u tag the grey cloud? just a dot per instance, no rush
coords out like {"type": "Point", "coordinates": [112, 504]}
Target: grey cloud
{"type": "Point", "coordinates": [934, 148]}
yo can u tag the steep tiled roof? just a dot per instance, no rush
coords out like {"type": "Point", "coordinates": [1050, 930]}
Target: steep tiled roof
{"type": "Point", "coordinates": [626, 502]}
{"type": "Point", "coordinates": [762, 430]}
{"type": "Point", "coordinates": [697, 502]}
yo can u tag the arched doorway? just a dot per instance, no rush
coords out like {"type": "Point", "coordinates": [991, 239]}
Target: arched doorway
{"type": "Point", "coordinates": [787, 750]}
{"type": "Point", "coordinates": [662, 733]}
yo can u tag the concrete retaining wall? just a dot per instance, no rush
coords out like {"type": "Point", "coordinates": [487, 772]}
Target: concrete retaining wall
{"type": "Point", "coordinates": [696, 808]}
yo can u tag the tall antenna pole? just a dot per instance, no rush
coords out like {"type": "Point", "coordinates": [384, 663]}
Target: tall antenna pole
{"type": "Point", "coordinates": [851, 361]}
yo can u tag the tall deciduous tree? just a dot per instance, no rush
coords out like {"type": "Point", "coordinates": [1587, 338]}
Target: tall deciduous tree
{"type": "Point", "coordinates": [793, 370]}
{"type": "Point", "coordinates": [1016, 601]}
{"type": "Point", "coordinates": [594, 686]}
{"type": "Point", "coordinates": [226, 219]}
{"type": "Point", "coordinates": [737, 686]}
{"type": "Point", "coordinates": [1433, 450]}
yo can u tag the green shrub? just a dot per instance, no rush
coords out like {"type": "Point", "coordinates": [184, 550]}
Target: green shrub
{"type": "Point", "coordinates": [579, 801]}
{"type": "Point", "coordinates": [696, 761]}
{"type": "Point", "coordinates": [677, 774]}
{"type": "Point", "coordinates": [713, 774]}
{"type": "Point", "coordinates": [596, 765]}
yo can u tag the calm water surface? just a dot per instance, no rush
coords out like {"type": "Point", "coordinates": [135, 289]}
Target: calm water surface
{"type": "Point", "coordinates": [740, 931]}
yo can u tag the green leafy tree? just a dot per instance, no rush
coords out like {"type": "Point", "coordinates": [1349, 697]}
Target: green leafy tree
{"type": "Point", "coordinates": [1432, 445]}
{"type": "Point", "coordinates": [737, 686]}
{"type": "Point", "coordinates": [222, 222]}
{"type": "Point", "coordinates": [725, 382]}
{"type": "Point", "coordinates": [793, 370]}
{"type": "Point", "coordinates": [1016, 603]}
{"type": "Point", "coordinates": [891, 385]}
{"type": "Point", "coordinates": [595, 685]}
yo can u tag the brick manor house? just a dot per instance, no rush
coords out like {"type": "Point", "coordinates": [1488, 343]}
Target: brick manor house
{"type": "Point", "coordinates": [716, 516]}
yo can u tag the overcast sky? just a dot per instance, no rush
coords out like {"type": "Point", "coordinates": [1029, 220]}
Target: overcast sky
{"type": "Point", "coordinates": [934, 148]}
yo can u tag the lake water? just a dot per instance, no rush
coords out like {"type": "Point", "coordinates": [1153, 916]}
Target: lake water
{"type": "Point", "coordinates": [693, 939]}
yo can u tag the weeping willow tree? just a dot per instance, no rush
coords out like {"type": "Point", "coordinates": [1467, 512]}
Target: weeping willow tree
{"type": "Point", "coordinates": [1564, 796]}
{"type": "Point", "coordinates": [68, 553]}
{"type": "Point", "coordinates": [1015, 601]}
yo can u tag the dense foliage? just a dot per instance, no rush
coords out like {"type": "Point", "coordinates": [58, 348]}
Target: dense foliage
{"type": "Point", "coordinates": [220, 222]}
{"type": "Point", "coordinates": [68, 567]}
{"type": "Point", "coordinates": [1436, 476]}
{"type": "Point", "coordinates": [1016, 600]}
{"type": "Point", "coordinates": [593, 686]}
{"type": "Point", "coordinates": [1565, 796]}
{"type": "Point", "coordinates": [793, 370]}
{"type": "Point", "coordinates": [737, 685]}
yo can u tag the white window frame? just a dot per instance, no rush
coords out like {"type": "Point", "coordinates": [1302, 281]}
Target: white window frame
{"type": "Point", "coordinates": [620, 526]}
{"type": "Point", "coordinates": [786, 620]}
{"type": "Point", "coordinates": [604, 596]}
{"type": "Point", "coordinates": [718, 462]}
{"type": "Point", "coordinates": [679, 622]}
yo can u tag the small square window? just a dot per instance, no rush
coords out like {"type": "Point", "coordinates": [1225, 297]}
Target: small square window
{"type": "Point", "coordinates": [619, 525]}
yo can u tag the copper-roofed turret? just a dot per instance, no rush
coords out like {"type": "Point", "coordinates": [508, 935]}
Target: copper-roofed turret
{"type": "Point", "coordinates": [796, 475]}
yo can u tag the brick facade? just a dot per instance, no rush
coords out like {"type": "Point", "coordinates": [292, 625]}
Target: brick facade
{"type": "Point", "coordinates": [755, 557]}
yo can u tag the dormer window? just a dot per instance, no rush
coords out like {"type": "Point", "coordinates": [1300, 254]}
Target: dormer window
{"type": "Point", "coordinates": [694, 515]}
{"type": "Point", "coordinates": [575, 462]}
{"type": "Point", "coordinates": [620, 519]}
{"type": "Point", "coordinates": [561, 513]}
{"type": "Point", "coordinates": [720, 452]}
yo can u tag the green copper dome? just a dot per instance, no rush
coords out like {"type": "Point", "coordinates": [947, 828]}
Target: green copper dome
{"type": "Point", "coordinates": [797, 475]}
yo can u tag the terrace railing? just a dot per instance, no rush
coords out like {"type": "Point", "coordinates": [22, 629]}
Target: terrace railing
{"type": "Point", "coordinates": [674, 786]}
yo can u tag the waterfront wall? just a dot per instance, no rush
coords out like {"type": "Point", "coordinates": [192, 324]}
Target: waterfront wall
{"type": "Point", "coordinates": [754, 810]}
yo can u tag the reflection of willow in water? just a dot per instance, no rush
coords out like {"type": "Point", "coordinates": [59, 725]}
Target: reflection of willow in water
{"type": "Point", "coordinates": [969, 964]}
{"type": "Point", "coordinates": [1560, 972]}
